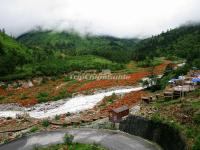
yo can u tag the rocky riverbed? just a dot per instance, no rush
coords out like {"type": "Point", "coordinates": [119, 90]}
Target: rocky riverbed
{"type": "Point", "coordinates": [72, 105]}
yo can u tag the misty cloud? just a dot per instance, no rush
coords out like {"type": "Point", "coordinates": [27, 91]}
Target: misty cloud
{"type": "Point", "coordinates": [121, 18]}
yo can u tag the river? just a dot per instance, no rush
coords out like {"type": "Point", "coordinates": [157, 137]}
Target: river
{"type": "Point", "coordinates": [72, 105]}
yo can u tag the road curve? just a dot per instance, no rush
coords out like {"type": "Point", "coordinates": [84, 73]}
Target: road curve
{"type": "Point", "coordinates": [112, 140]}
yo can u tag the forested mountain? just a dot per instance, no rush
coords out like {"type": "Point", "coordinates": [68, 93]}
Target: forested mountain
{"type": "Point", "coordinates": [19, 61]}
{"type": "Point", "coordinates": [183, 42]}
{"type": "Point", "coordinates": [71, 43]}
{"type": "Point", "coordinates": [51, 53]}
{"type": "Point", "coordinates": [12, 54]}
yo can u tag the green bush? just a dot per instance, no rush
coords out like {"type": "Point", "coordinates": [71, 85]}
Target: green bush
{"type": "Point", "coordinates": [42, 97]}
{"type": "Point", "coordinates": [157, 118]}
{"type": "Point", "coordinates": [95, 147]}
{"type": "Point", "coordinates": [112, 98]}
{"type": "Point", "coordinates": [148, 62]}
{"type": "Point", "coordinates": [57, 117]}
{"type": "Point", "coordinates": [197, 118]}
{"type": "Point", "coordinates": [68, 139]}
{"type": "Point", "coordinates": [62, 94]}
{"type": "Point", "coordinates": [34, 129]}
{"type": "Point", "coordinates": [5, 141]}
{"type": "Point", "coordinates": [23, 96]}
{"type": "Point", "coordinates": [67, 78]}
{"type": "Point", "coordinates": [8, 118]}
{"type": "Point", "coordinates": [196, 145]}
{"type": "Point", "coordinates": [45, 123]}
{"type": "Point", "coordinates": [190, 132]}
{"type": "Point", "coordinates": [64, 124]}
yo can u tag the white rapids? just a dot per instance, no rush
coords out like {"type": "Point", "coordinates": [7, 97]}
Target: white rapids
{"type": "Point", "coordinates": [72, 105]}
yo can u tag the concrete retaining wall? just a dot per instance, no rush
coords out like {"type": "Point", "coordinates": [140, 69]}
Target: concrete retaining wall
{"type": "Point", "coordinates": [167, 137]}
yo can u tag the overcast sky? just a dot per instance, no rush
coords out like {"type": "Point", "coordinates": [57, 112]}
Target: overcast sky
{"type": "Point", "coordinates": [121, 18]}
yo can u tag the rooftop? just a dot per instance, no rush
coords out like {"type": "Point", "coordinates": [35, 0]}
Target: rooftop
{"type": "Point", "coordinates": [120, 109]}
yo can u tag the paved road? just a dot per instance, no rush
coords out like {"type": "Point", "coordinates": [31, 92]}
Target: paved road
{"type": "Point", "coordinates": [111, 140]}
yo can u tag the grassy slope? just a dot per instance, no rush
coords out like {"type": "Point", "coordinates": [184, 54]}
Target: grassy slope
{"type": "Point", "coordinates": [18, 62]}
{"type": "Point", "coordinates": [182, 114]}
{"type": "Point", "coordinates": [12, 54]}
{"type": "Point", "coordinates": [9, 43]}
{"type": "Point", "coordinates": [57, 66]}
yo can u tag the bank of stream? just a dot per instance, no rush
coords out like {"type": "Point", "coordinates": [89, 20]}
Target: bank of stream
{"type": "Point", "coordinates": [72, 105]}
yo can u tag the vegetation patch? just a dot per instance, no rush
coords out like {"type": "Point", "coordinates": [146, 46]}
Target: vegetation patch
{"type": "Point", "coordinates": [45, 123]}
{"type": "Point", "coordinates": [34, 129]}
{"type": "Point", "coordinates": [42, 97]}
{"type": "Point", "coordinates": [69, 145]}
{"type": "Point", "coordinates": [180, 114]}
{"type": "Point", "coordinates": [74, 146]}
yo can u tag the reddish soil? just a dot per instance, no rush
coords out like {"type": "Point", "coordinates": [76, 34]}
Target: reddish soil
{"type": "Point", "coordinates": [158, 70]}
{"type": "Point", "coordinates": [28, 102]}
{"type": "Point", "coordinates": [128, 99]}
{"type": "Point", "coordinates": [3, 92]}
{"type": "Point", "coordinates": [132, 79]}
{"type": "Point", "coordinates": [13, 95]}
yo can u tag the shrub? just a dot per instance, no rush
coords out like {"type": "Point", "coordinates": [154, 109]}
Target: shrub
{"type": "Point", "coordinates": [34, 129]}
{"type": "Point", "coordinates": [54, 78]}
{"type": "Point", "coordinates": [196, 93]}
{"type": "Point", "coordinates": [23, 96]}
{"type": "Point", "coordinates": [197, 118]}
{"type": "Point", "coordinates": [57, 117]}
{"type": "Point", "coordinates": [45, 123]}
{"type": "Point", "coordinates": [8, 118]}
{"type": "Point", "coordinates": [95, 147]}
{"type": "Point", "coordinates": [112, 98]}
{"type": "Point", "coordinates": [196, 145]}
{"type": "Point", "coordinates": [145, 63]}
{"type": "Point", "coordinates": [148, 62]}
{"type": "Point", "coordinates": [190, 132]}
{"type": "Point", "coordinates": [68, 139]}
{"type": "Point", "coordinates": [67, 78]}
{"type": "Point", "coordinates": [62, 94]}
{"type": "Point", "coordinates": [64, 124]}
{"type": "Point", "coordinates": [157, 118]}
{"type": "Point", "coordinates": [6, 141]}
{"type": "Point", "coordinates": [42, 97]}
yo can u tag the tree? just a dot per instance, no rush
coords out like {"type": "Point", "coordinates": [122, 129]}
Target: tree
{"type": "Point", "coordinates": [1, 48]}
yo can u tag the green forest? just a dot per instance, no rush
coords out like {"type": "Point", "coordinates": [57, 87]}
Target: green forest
{"type": "Point", "coordinates": [71, 43]}
{"type": "Point", "coordinates": [46, 53]}
{"type": "Point", "coordinates": [182, 42]}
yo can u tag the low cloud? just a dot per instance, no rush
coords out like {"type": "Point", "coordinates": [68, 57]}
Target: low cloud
{"type": "Point", "coordinates": [120, 18]}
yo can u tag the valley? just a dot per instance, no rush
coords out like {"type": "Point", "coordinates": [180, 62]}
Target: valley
{"type": "Point", "coordinates": [59, 81]}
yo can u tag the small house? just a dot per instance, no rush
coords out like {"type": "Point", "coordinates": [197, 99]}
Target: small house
{"type": "Point", "coordinates": [116, 115]}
